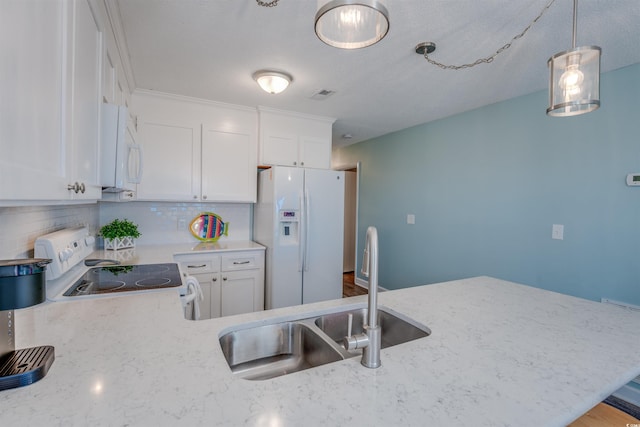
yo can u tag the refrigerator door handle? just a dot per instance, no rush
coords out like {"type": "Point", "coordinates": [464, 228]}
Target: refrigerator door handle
{"type": "Point", "coordinates": [301, 242]}
{"type": "Point", "coordinates": [306, 219]}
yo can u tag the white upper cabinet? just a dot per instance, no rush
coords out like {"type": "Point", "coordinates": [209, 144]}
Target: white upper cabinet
{"type": "Point", "coordinates": [293, 139]}
{"type": "Point", "coordinates": [171, 153]}
{"type": "Point", "coordinates": [50, 92]}
{"type": "Point", "coordinates": [33, 161]}
{"type": "Point", "coordinates": [229, 164]}
{"type": "Point", "coordinates": [84, 94]}
{"type": "Point", "coordinates": [196, 150]}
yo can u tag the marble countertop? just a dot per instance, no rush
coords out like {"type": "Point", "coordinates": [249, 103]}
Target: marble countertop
{"type": "Point", "coordinates": [500, 354]}
{"type": "Point", "coordinates": [146, 254]}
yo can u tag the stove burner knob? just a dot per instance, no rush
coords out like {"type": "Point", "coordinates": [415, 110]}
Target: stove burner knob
{"type": "Point", "coordinates": [65, 254]}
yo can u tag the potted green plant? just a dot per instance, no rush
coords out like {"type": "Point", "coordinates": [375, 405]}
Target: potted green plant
{"type": "Point", "coordinates": [119, 234]}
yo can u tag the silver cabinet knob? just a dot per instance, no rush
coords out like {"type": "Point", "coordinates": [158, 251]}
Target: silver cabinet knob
{"type": "Point", "coordinates": [76, 187]}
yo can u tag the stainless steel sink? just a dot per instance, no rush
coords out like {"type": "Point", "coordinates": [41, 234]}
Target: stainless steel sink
{"type": "Point", "coordinates": [395, 329]}
{"type": "Point", "coordinates": [273, 350]}
{"type": "Point", "coordinates": [268, 351]}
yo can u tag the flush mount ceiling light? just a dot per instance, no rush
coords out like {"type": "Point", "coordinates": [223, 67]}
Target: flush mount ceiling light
{"type": "Point", "coordinates": [272, 81]}
{"type": "Point", "coordinates": [351, 24]}
{"type": "Point", "coordinates": [574, 78]}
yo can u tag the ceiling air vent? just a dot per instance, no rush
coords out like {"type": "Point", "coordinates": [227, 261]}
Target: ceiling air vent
{"type": "Point", "coordinates": [321, 94]}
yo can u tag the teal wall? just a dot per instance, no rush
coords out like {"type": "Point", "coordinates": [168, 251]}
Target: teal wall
{"type": "Point", "coordinates": [487, 185]}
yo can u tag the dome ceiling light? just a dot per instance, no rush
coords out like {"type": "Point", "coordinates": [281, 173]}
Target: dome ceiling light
{"type": "Point", "coordinates": [272, 81]}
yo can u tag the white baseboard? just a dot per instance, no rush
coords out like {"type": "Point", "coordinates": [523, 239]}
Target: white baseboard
{"type": "Point", "coordinates": [364, 284]}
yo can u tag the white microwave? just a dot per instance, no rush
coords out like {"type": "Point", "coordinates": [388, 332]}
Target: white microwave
{"type": "Point", "coordinates": [120, 156]}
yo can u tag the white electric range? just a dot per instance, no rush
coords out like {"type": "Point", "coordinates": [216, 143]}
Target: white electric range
{"type": "Point", "coordinates": [68, 277]}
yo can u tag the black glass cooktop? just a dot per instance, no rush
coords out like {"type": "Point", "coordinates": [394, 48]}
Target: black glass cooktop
{"type": "Point", "coordinates": [126, 278]}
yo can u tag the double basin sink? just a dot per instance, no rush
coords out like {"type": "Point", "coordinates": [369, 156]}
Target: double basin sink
{"type": "Point", "coordinates": [280, 348]}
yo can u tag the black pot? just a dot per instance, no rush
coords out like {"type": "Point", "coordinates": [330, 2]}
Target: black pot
{"type": "Point", "coordinates": [22, 282]}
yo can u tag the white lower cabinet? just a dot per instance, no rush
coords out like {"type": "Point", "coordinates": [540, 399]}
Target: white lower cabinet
{"type": "Point", "coordinates": [232, 282]}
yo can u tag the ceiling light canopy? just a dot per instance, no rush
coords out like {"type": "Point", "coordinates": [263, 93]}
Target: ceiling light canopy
{"type": "Point", "coordinates": [574, 78]}
{"type": "Point", "coordinates": [351, 24]}
{"type": "Point", "coordinates": [272, 81]}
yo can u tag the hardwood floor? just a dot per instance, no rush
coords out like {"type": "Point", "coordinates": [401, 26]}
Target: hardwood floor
{"type": "Point", "coordinates": [603, 415]}
{"type": "Point", "coordinates": [349, 288]}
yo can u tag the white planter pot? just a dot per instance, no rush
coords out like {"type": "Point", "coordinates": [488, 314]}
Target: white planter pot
{"type": "Point", "coordinates": [119, 243]}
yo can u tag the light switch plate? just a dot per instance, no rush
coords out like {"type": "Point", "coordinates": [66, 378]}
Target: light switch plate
{"type": "Point", "coordinates": [411, 219]}
{"type": "Point", "coordinates": [557, 232]}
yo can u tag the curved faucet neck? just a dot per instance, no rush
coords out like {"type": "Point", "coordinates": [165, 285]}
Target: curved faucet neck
{"type": "Point", "coordinates": [370, 260]}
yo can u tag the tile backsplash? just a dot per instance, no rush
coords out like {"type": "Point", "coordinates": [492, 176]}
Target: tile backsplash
{"type": "Point", "coordinates": [159, 222]}
{"type": "Point", "coordinates": [168, 222]}
{"type": "Point", "coordinates": [21, 226]}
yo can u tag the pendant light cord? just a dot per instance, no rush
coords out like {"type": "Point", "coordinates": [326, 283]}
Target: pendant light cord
{"type": "Point", "coordinates": [490, 59]}
{"type": "Point", "coordinates": [575, 24]}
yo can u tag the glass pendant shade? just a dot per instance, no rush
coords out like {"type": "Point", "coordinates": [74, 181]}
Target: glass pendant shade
{"type": "Point", "coordinates": [351, 24]}
{"type": "Point", "coordinates": [574, 78]}
{"type": "Point", "coordinates": [272, 81]}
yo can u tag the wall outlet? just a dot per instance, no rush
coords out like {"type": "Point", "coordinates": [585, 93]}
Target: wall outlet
{"type": "Point", "coordinates": [182, 224]}
{"type": "Point", "coordinates": [411, 219]}
{"type": "Point", "coordinates": [557, 232]}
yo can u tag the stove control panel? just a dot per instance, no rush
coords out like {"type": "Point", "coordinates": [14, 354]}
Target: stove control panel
{"type": "Point", "coordinates": [67, 248]}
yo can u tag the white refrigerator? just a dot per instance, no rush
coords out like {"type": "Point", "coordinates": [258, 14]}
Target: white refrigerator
{"type": "Point", "coordinates": [299, 217]}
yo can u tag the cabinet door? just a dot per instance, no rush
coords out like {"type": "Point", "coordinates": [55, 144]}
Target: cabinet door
{"type": "Point", "coordinates": [171, 155]}
{"type": "Point", "coordinates": [210, 303]}
{"type": "Point", "coordinates": [33, 161]}
{"type": "Point", "coordinates": [215, 300]}
{"type": "Point", "coordinates": [229, 166]}
{"type": "Point", "coordinates": [279, 149]}
{"type": "Point", "coordinates": [315, 153]}
{"type": "Point", "coordinates": [206, 283]}
{"type": "Point", "coordinates": [240, 292]}
{"type": "Point", "coordinates": [86, 87]}
{"type": "Point", "coordinates": [109, 78]}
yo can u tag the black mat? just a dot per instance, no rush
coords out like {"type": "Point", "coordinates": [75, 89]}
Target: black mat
{"type": "Point", "coordinates": [624, 406]}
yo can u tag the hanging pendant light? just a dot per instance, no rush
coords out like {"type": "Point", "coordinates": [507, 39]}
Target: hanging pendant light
{"type": "Point", "coordinates": [574, 80]}
{"type": "Point", "coordinates": [351, 24]}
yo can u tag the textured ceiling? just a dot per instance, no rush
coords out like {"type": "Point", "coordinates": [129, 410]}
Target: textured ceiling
{"type": "Point", "coordinates": [210, 48]}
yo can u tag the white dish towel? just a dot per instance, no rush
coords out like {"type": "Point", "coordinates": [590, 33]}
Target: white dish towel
{"type": "Point", "coordinates": [189, 301]}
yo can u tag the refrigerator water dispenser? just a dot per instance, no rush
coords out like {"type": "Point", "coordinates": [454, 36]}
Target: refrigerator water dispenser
{"type": "Point", "coordinates": [289, 227]}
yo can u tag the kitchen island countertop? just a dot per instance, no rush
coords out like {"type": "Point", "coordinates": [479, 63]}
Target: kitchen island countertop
{"type": "Point", "coordinates": [500, 354]}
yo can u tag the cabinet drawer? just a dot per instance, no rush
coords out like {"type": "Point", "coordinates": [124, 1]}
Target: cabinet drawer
{"type": "Point", "coordinates": [243, 261]}
{"type": "Point", "coordinates": [199, 265]}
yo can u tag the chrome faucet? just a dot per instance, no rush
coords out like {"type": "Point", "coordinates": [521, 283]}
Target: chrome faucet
{"type": "Point", "coordinates": [369, 341]}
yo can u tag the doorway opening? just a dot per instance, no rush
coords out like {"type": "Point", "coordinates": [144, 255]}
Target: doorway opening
{"type": "Point", "coordinates": [350, 246]}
